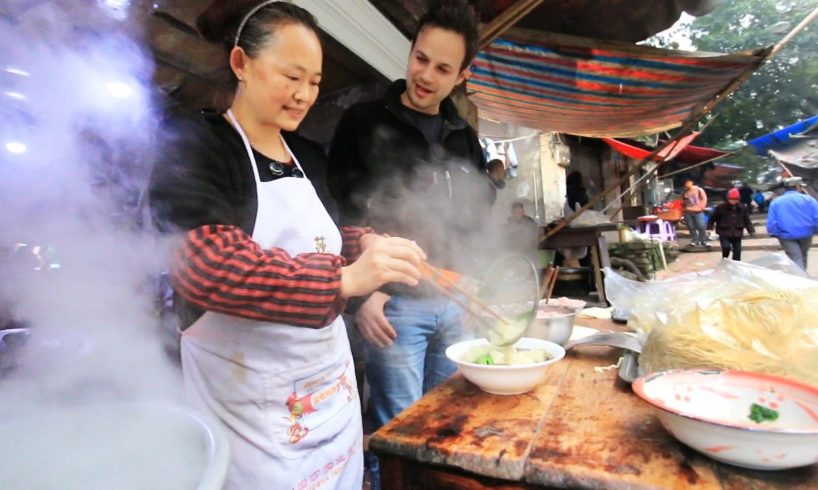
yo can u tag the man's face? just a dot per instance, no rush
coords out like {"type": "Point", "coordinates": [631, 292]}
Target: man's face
{"type": "Point", "coordinates": [518, 212]}
{"type": "Point", "coordinates": [434, 69]}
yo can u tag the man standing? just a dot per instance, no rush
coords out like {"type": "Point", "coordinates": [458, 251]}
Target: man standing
{"type": "Point", "coordinates": [695, 200]}
{"type": "Point", "coordinates": [497, 177]}
{"type": "Point", "coordinates": [523, 232]}
{"type": "Point", "coordinates": [409, 165]}
{"type": "Point", "coordinates": [793, 219]}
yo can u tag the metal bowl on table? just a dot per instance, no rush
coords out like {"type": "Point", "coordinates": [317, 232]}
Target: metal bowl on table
{"type": "Point", "coordinates": [553, 323]}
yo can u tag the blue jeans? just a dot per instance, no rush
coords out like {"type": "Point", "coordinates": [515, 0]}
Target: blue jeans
{"type": "Point", "coordinates": [696, 225]}
{"type": "Point", "coordinates": [416, 362]}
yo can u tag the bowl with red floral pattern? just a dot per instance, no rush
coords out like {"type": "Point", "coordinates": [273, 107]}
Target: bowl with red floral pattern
{"type": "Point", "coordinates": [747, 419]}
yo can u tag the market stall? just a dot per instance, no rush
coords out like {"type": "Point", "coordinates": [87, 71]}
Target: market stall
{"type": "Point", "coordinates": [580, 428]}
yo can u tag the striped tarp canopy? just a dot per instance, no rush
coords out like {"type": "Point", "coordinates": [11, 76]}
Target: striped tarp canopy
{"type": "Point", "coordinates": [594, 88]}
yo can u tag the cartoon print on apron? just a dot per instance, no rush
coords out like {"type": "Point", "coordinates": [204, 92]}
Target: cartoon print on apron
{"type": "Point", "coordinates": [286, 394]}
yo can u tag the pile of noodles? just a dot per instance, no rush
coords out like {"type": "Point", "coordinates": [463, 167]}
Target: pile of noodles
{"type": "Point", "coordinates": [773, 331]}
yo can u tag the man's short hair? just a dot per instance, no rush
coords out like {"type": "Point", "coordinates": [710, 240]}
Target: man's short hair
{"type": "Point", "coordinates": [517, 205]}
{"type": "Point", "coordinates": [495, 162]}
{"type": "Point", "coordinates": [688, 180]}
{"type": "Point", "coordinates": [456, 16]}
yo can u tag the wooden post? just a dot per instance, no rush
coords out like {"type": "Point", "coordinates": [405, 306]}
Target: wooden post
{"type": "Point", "coordinates": [506, 19]}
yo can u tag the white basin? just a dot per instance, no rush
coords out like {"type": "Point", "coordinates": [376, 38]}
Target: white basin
{"type": "Point", "coordinates": [113, 446]}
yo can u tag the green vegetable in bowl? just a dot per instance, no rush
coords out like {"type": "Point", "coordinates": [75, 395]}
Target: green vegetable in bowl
{"type": "Point", "coordinates": [485, 359]}
{"type": "Point", "coordinates": [488, 355]}
{"type": "Point", "coordinates": [759, 413]}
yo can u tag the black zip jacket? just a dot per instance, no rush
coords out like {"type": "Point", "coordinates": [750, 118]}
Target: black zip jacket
{"type": "Point", "coordinates": [201, 175]}
{"type": "Point", "coordinates": [730, 221]}
{"type": "Point", "coordinates": [384, 173]}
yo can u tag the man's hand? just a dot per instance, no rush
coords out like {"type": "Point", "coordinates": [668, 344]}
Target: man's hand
{"type": "Point", "coordinates": [372, 322]}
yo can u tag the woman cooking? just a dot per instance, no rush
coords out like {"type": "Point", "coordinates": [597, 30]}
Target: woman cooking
{"type": "Point", "coordinates": [261, 276]}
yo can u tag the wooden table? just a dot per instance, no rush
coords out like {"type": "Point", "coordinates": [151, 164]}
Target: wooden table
{"type": "Point", "coordinates": [578, 429]}
{"type": "Point", "coordinates": [586, 236]}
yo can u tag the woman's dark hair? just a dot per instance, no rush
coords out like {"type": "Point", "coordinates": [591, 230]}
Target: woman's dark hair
{"type": "Point", "coordinates": [456, 16]}
{"type": "Point", "coordinates": [220, 22]}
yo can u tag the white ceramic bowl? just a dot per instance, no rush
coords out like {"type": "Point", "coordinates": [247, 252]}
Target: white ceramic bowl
{"type": "Point", "coordinates": [505, 380]}
{"type": "Point", "coordinates": [709, 411]}
{"type": "Point", "coordinates": [113, 446]}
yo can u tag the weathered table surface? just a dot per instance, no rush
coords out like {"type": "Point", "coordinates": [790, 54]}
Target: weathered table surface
{"type": "Point", "coordinates": [578, 429]}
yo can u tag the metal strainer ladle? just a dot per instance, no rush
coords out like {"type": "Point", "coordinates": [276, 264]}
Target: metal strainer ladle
{"type": "Point", "coordinates": [502, 305]}
{"type": "Point", "coordinates": [511, 287]}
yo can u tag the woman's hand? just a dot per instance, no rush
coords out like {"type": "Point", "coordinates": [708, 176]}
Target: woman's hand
{"type": "Point", "coordinates": [384, 260]}
{"type": "Point", "coordinates": [368, 239]}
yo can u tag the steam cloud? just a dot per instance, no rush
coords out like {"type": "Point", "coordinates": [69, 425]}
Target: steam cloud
{"type": "Point", "coordinates": [75, 124]}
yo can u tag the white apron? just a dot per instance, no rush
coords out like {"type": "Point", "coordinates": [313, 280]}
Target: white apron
{"type": "Point", "coordinates": [287, 395]}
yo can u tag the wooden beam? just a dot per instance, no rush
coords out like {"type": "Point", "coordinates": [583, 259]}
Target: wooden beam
{"type": "Point", "coordinates": [506, 19]}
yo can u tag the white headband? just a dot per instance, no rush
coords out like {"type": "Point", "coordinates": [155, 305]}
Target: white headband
{"type": "Point", "coordinates": [247, 17]}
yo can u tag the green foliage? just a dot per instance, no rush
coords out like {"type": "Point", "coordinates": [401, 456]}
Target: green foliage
{"type": "Point", "coordinates": [784, 90]}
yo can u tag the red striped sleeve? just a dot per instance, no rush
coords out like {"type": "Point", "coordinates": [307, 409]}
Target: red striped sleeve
{"type": "Point", "coordinates": [351, 236]}
{"type": "Point", "coordinates": [220, 268]}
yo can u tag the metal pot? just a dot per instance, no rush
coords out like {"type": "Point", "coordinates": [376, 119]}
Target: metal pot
{"type": "Point", "coordinates": [573, 282]}
{"type": "Point", "coordinates": [555, 326]}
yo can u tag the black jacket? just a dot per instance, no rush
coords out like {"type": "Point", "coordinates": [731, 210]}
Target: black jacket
{"type": "Point", "coordinates": [202, 174]}
{"type": "Point", "coordinates": [730, 221]}
{"type": "Point", "coordinates": [383, 173]}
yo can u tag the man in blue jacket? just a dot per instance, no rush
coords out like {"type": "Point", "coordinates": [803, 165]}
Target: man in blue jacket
{"type": "Point", "coordinates": [793, 219]}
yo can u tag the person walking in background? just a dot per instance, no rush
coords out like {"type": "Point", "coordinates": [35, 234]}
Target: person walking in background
{"type": "Point", "coordinates": [793, 219]}
{"type": "Point", "coordinates": [695, 200]}
{"type": "Point", "coordinates": [730, 219]}
{"type": "Point", "coordinates": [761, 201]}
{"type": "Point", "coordinates": [745, 194]}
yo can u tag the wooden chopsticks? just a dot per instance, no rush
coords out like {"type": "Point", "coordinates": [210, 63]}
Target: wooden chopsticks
{"type": "Point", "coordinates": [441, 280]}
{"type": "Point", "coordinates": [549, 280]}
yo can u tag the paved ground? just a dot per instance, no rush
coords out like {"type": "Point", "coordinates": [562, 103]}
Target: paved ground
{"type": "Point", "coordinates": [753, 247]}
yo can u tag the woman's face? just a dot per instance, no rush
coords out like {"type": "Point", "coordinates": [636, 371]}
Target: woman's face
{"type": "Point", "coordinates": [281, 83]}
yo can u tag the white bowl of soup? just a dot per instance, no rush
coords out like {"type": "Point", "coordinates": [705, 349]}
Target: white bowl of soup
{"type": "Point", "coordinates": [505, 370]}
{"type": "Point", "coordinates": [747, 419]}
